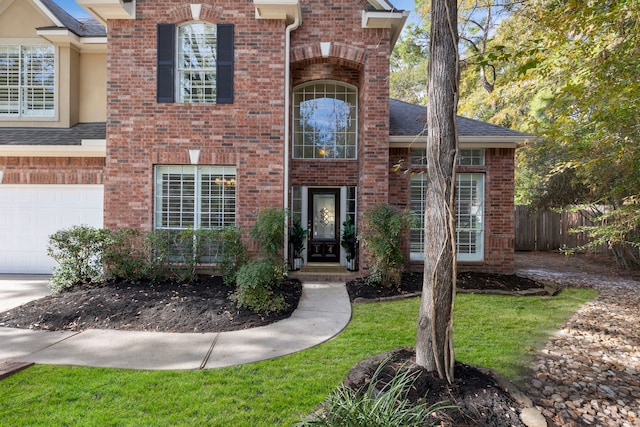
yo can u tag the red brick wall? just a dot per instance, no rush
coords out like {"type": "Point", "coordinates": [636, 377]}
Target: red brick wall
{"type": "Point", "coordinates": [250, 132]}
{"type": "Point", "coordinates": [52, 170]}
{"type": "Point", "coordinates": [359, 57]}
{"type": "Point", "coordinates": [141, 133]}
{"type": "Point", "coordinates": [499, 209]}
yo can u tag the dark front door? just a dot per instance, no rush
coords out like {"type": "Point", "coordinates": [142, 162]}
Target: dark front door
{"type": "Point", "coordinates": [324, 225]}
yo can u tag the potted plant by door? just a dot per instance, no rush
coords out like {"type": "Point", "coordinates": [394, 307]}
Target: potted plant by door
{"type": "Point", "coordinates": [348, 242]}
{"type": "Point", "coordinates": [297, 238]}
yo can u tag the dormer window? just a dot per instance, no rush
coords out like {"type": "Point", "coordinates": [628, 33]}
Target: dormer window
{"type": "Point", "coordinates": [196, 64]}
{"type": "Point", "coordinates": [27, 81]}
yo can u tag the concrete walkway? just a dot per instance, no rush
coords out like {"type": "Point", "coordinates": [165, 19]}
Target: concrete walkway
{"type": "Point", "coordinates": [323, 312]}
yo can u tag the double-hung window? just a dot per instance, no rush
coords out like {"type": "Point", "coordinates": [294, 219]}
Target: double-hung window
{"type": "Point", "coordinates": [195, 197]}
{"type": "Point", "coordinates": [469, 207]}
{"type": "Point", "coordinates": [195, 63]}
{"type": "Point", "coordinates": [470, 216]}
{"type": "Point", "coordinates": [27, 81]}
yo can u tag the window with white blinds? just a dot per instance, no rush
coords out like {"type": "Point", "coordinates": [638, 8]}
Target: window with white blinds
{"type": "Point", "coordinates": [195, 197]}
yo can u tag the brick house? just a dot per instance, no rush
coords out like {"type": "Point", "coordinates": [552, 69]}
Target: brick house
{"type": "Point", "coordinates": [173, 114]}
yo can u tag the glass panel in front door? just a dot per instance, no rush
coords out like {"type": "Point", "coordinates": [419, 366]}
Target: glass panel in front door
{"type": "Point", "coordinates": [324, 216]}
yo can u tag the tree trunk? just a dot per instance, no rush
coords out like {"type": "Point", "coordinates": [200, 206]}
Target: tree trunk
{"type": "Point", "coordinates": [434, 342]}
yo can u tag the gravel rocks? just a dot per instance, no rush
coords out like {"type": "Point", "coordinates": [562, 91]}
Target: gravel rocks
{"type": "Point", "coordinates": [589, 373]}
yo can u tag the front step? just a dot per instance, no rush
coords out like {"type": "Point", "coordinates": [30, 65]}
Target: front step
{"type": "Point", "coordinates": [321, 272]}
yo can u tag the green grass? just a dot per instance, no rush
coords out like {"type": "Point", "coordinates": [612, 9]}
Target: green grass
{"type": "Point", "coordinates": [496, 331]}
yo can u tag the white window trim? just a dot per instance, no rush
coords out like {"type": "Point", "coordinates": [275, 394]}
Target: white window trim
{"type": "Point", "coordinates": [477, 256]}
{"type": "Point", "coordinates": [179, 70]}
{"type": "Point", "coordinates": [294, 121]}
{"type": "Point", "coordinates": [53, 113]}
{"type": "Point", "coordinates": [197, 171]}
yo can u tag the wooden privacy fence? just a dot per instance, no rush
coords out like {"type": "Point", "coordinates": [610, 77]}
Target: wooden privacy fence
{"type": "Point", "coordinates": [548, 231]}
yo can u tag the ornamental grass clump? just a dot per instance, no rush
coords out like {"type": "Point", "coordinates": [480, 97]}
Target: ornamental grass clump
{"type": "Point", "coordinates": [380, 404]}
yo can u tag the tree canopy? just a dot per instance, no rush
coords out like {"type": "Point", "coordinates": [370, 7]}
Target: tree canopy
{"type": "Point", "coordinates": [567, 72]}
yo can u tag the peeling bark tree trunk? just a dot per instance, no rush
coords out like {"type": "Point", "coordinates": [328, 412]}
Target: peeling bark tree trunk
{"type": "Point", "coordinates": [434, 342]}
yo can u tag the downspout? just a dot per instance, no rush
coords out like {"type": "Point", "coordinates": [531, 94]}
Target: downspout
{"type": "Point", "coordinates": [287, 95]}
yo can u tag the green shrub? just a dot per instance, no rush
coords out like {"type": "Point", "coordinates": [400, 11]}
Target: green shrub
{"type": "Point", "coordinates": [124, 256]}
{"type": "Point", "coordinates": [379, 404]}
{"type": "Point", "coordinates": [78, 252]}
{"type": "Point", "coordinates": [268, 232]}
{"type": "Point", "coordinates": [177, 254]}
{"type": "Point", "coordinates": [234, 254]}
{"type": "Point", "coordinates": [257, 283]}
{"type": "Point", "coordinates": [382, 236]}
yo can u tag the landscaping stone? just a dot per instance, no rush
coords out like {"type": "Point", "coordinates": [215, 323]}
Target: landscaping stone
{"type": "Point", "coordinates": [589, 372]}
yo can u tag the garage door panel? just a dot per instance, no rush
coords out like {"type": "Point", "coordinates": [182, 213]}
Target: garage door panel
{"type": "Point", "coordinates": [29, 214]}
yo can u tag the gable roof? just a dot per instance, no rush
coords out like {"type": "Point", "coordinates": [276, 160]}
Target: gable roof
{"type": "Point", "coordinates": [409, 120]}
{"type": "Point", "coordinates": [85, 27]}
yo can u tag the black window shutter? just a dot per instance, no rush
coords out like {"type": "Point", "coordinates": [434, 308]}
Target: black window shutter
{"type": "Point", "coordinates": [224, 73]}
{"type": "Point", "coordinates": [166, 63]}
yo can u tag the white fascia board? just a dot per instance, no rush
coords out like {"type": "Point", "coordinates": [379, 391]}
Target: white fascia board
{"type": "Point", "coordinates": [63, 36]}
{"type": "Point", "coordinates": [104, 10]}
{"type": "Point", "coordinates": [59, 36]}
{"type": "Point", "coordinates": [47, 12]}
{"type": "Point", "coordinates": [287, 10]}
{"type": "Point", "coordinates": [394, 20]}
{"type": "Point", "coordinates": [93, 44]}
{"type": "Point", "coordinates": [89, 148]}
{"type": "Point", "coordinates": [464, 142]}
{"type": "Point", "coordinates": [380, 4]}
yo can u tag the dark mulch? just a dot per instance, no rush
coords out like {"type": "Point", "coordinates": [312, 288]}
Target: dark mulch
{"type": "Point", "coordinates": [412, 283]}
{"type": "Point", "coordinates": [203, 306]}
{"type": "Point", "coordinates": [477, 399]}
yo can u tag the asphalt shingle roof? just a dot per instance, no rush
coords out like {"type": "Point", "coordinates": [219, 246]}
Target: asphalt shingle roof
{"type": "Point", "coordinates": [53, 136]}
{"type": "Point", "coordinates": [409, 120]}
{"type": "Point", "coordinates": [86, 27]}
{"type": "Point", "coordinates": [404, 120]}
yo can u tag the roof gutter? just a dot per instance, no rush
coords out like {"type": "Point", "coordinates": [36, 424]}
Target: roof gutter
{"type": "Point", "coordinates": [88, 148]}
{"type": "Point", "coordinates": [465, 141]}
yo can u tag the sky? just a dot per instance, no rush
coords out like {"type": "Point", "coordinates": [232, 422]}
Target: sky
{"type": "Point", "coordinates": [76, 11]}
{"type": "Point", "coordinates": [73, 9]}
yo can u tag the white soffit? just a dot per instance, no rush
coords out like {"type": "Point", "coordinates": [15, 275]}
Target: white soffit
{"type": "Point", "coordinates": [394, 20]}
{"type": "Point", "coordinates": [287, 10]}
{"type": "Point", "coordinates": [103, 10]}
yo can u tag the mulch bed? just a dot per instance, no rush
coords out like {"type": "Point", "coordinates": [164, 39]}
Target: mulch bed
{"type": "Point", "coordinates": [203, 306]}
{"type": "Point", "coordinates": [412, 283]}
{"type": "Point", "coordinates": [476, 398]}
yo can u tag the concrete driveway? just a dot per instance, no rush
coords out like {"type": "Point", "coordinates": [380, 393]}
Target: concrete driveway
{"type": "Point", "coordinates": [16, 290]}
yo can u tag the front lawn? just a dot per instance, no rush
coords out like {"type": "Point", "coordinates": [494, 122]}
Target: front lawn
{"type": "Point", "coordinates": [501, 332]}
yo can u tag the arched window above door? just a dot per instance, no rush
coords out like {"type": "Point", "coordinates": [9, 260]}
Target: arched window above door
{"type": "Point", "coordinates": [325, 120]}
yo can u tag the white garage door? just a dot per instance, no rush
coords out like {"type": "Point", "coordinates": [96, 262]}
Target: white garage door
{"type": "Point", "coordinates": [29, 214]}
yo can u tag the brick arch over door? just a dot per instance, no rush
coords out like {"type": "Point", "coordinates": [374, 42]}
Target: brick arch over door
{"type": "Point", "coordinates": [341, 54]}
